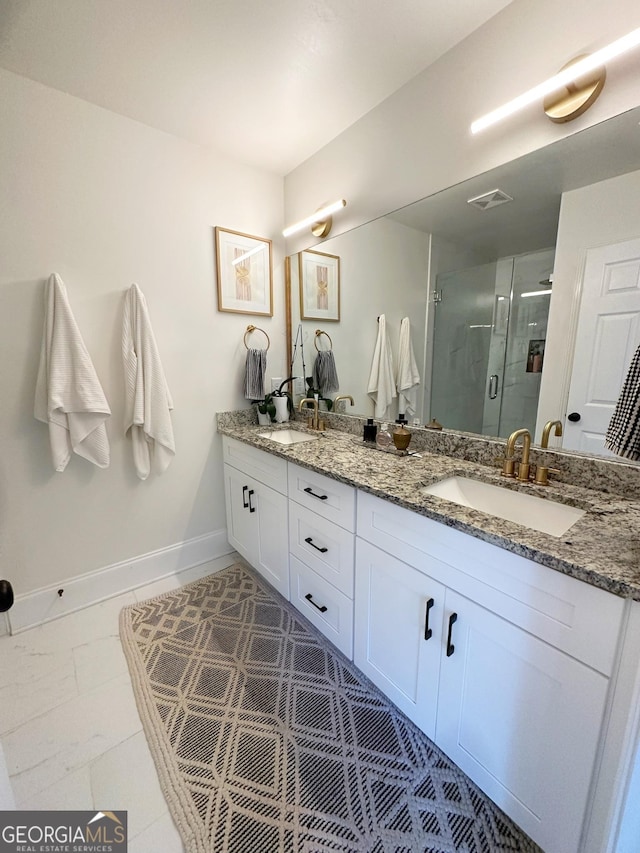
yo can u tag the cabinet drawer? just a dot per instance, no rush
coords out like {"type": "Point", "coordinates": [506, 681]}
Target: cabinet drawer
{"type": "Point", "coordinates": [329, 498]}
{"type": "Point", "coordinates": [268, 469]}
{"type": "Point", "coordinates": [323, 605]}
{"type": "Point", "coordinates": [322, 545]}
{"type": "Point", "coordinates": [571, 615]}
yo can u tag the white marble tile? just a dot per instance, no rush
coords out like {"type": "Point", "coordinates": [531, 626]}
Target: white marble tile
{"type": "Point", "coordinates": [97, 662]}
{"type": "Point", "coordinates": [72, 792]}
{"type": "Point", "coordinates": [125, 778]}
{"type": "Point", "coordinates": [160, 836]}
{"type": "Point", "coordinates": [46, 748]}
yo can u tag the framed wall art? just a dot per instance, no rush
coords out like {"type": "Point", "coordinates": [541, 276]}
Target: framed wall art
{"type": "Point", "coordinates": [244, 272]}
{"type": "Point", "coordinates": [319, 286]}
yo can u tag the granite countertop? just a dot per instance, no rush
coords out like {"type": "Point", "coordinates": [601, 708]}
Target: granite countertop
{"type": "Point", "coordinates": [602, 548]}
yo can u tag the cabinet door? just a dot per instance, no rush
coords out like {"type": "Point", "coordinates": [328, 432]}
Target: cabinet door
{"type": "Point", "coordinates": [271, 544]}
{"type": "Point", "coordinates": [240, 523]}
{"type": "Point", "coordinates": [522, 719]}
{"type": "Point", "coordinates": [398, 625]}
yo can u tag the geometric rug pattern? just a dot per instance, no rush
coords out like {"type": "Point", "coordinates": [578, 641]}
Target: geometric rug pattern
{"type": "Point", "coordinates": [267, 739]}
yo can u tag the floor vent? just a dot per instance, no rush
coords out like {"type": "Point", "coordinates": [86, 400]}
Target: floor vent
{"type": "Point", "coordinates": [490, 199]}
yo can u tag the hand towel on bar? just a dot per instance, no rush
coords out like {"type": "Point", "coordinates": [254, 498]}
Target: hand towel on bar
{"type": "Point", "coordinates": [407, 377]}
{"type": "Point", "coordinates": [325, 375]}
{"type": "Point", "coordinates": [69, 397]}
{"type": "Point", "coordinates": [254, 371]}
{"type": "Point", "coordinates": [382, 385]}
{"type": "Point", "coordinates": [623, 433]}
{"type": "Point", "coordinates": [148, 402]}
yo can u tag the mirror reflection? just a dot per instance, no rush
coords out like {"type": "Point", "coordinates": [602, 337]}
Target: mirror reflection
{"type": "Point", "coordinates": [475, 281]}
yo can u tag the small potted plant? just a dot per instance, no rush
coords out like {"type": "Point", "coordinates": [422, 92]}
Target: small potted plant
{"type": "Point", "coordinates": [266, 410]}
{"type": "Point", "coordinates": [283, 402]}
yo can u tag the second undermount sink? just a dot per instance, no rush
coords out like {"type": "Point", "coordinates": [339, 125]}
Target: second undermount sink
{"type": "Point", "coordinates": [287, 436]}
{"type": "Point", "coordinates": [530, 511]}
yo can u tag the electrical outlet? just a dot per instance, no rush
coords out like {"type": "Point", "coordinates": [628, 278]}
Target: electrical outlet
{"type": "Point", "coordinates": [276, 381]}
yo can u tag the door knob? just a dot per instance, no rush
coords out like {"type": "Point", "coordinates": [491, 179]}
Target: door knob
{"type": "Point", "coordinates": [574, 417]}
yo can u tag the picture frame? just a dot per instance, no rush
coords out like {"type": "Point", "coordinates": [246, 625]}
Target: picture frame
{"type": "Point", "coordinates": [244, 271]}
{"type": "Point", "coordinates": [319, 286]}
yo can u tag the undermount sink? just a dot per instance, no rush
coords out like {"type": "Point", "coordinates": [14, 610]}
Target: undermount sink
{"type": "Point", "coordinates": [536, 513]}
{"type": "Point", "coordinates": [287, 436]}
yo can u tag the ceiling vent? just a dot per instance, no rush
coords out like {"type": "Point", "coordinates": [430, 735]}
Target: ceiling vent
{"type": "Point", "coordinates": [490, 199]}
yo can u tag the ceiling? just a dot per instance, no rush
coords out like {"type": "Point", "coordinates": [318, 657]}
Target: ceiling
{"type": "Point", "coordinates": [269, 83]}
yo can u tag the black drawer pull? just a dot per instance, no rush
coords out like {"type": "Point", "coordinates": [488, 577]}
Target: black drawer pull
{"type": "Point", "coordinates": [245, 489]}
{"type": "Point", "coordinates": [428, 633]}
{"type": "Point", "coordinates": [309, 598]}
{"type": "Point", "coordinates": [310, 491]}
{"type": "Point", "coordinates": [450, 647]}
{"type": "Point", "coordinates": [251, 508]}
{"type": "Point", "coordinates": [310, 541]}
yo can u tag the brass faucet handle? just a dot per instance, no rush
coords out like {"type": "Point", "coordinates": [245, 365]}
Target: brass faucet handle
{"type": "Point", "coordinates": [508, 466]}
{"type": "Point", "coordinates": [542, 475]}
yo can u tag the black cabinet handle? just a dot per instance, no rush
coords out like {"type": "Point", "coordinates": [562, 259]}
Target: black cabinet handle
{"type": "Point", "coordinates": [310, 491]}
{"type": "Point", "coordinates": [450, 647]}
{"type": "Point", "coordinates": [245, 489]}
{"type": "Point", "coordinates": [310, 541]}
{"type": "Point", "coordinates": [574, 417]}
{"type": "Point", "coordinates": [428, 633]}
{"type": "Point", "coordinates": [251, 508]}
{"type": "Point", "coordinates": [309, 598]}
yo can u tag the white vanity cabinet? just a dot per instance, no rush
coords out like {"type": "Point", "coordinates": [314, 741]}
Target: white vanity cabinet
{"type": "Point", "coordinates": [512, 682]}
{"type": "Point", "coordinates": [321, 544]}
{"type": "Point", "coordinates": [255, 485]}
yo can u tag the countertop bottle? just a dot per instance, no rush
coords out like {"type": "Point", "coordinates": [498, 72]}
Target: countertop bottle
{"type": "Point", "coordinates": [370, 431]}
{"type": "Point", "coordinates": [383, 438]}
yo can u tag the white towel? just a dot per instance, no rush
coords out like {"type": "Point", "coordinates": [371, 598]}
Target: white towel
{"type": "Point", "coordinates": [407, 377]}
{"type": "Point", "coordinates": [69, 397]}
{"type": "Point", "coordinates": [382, 385]}
{"type": "Point", "coordinates": [148, 401]}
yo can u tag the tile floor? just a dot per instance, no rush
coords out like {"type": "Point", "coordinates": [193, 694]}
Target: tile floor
{"type": "Point", "coordinates": [69, 727]}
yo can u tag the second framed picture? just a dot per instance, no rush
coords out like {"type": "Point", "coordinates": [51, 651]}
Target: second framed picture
{"type": "Point", "coordinates": [319, 286]}
{"type": "Point", "coordinates": [245, 284]}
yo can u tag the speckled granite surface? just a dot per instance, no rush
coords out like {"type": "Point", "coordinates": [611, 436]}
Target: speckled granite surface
{"type": "Point", "coordinates": [602, 548]}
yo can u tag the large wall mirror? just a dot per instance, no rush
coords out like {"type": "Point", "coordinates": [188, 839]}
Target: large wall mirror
{"type": "Point", "coordinates": [475, 280]}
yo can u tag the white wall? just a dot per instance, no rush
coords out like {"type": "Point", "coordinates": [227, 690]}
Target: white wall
{"type": "Point", "coordinates": [597, 215]}
{"type": "Point", "coordinates": [106, 201]}
{"type": "Point", "coordinates": [418, 141]}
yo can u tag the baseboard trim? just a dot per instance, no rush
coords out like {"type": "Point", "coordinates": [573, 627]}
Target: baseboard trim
{"type": "Point", "coordinates": [45, 604]}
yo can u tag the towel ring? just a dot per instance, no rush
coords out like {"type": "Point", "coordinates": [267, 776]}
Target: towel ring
{"type": "Point", "coordinates": [256, 329]}
{"type": "Point", "coordinates": [315, 342]}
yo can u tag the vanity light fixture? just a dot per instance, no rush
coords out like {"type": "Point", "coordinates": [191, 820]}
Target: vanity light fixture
{"type": "Point", "coordinates": [571, 91]}
{"type": "Point", "coordinates": [320, 221]}
{"type": "Point", "coordinates": [536, 293]}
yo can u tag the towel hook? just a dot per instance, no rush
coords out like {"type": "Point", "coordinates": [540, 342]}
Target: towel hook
{"type": "Point", "coordinates": [256, 329]}
{"type": "Point", "coordinates": [318, 333]}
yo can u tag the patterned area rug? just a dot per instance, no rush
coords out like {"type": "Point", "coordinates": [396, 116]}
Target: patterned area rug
{"type": "Point", "coordinates": [266, 739]}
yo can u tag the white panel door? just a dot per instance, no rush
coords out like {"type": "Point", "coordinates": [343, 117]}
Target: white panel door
{"type": "Point", "coordinates": [607, 337]}
{"type": "Point", "coordinates": [398, 619]}
{"type": "Point", "coordinates": [522, 719]}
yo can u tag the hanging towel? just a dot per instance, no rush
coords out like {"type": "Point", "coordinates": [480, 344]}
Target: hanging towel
{"type": "Point", "coordinates": [325, 375]}
{"type": "Point", "coordinates": [148, 401]}
{"type": "Point", "coordinates": [254, 371]}
{"type": "Point", "coordinates": [623, 433]}
{"type": "Point", "coordinates": [382, 386]}
{"type": "Point", "coordinates": [69, 397]}
{"type": "Point", "coordinates": [407, 377]}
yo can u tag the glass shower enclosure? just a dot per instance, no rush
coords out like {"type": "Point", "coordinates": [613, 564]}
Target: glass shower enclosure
{"type": "Point", "coordinates": [490, 327]}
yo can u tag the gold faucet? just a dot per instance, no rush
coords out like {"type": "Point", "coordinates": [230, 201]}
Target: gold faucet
{"type": "Point", "coordinates": [314, 422]}
{"type": "Point", "coordinates": [342, 397]}
{"type": "Point", "coordinates": [523, 467]}
{"type": "Point", "coordinates": [546, 432]}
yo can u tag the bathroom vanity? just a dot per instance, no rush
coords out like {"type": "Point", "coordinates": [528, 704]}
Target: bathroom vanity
{"type": "Point", "coordinates": [515, 651]}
